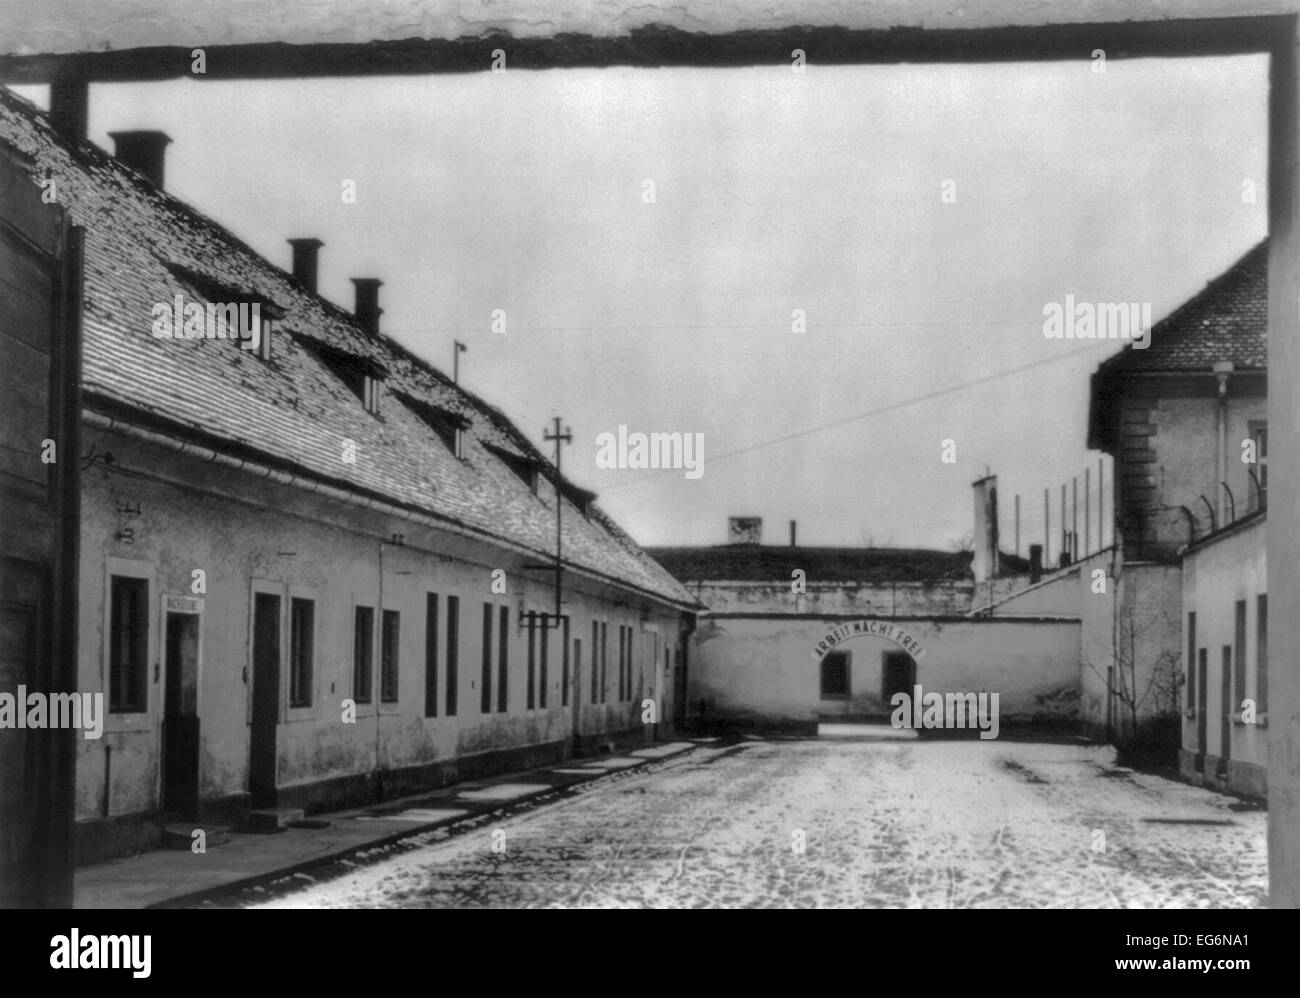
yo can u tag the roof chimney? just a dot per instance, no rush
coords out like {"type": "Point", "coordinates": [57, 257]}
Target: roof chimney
{"type": "Point", "coordinates": [367, 309]}
{"type": "Point", "coordinates": [143, 152]}
{"type": "Point", "coordinates": [744, 530]}
{"type": "Point", "coordinates": [305, 253]}
{"type": "Point", "coordinates": [69, 95]}
{"type": "Point", "coordinates": [984, 563]}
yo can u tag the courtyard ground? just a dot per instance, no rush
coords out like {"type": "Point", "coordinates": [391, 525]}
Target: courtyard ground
{"type": "Point", "coordinates": [865, 819]}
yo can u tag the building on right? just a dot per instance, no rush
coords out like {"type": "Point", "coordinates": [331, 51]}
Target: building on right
{"type": "Point", "coordinates": [1177, 416]}
{"type": "Point", "coordinates": [1185, 420]}
{"type": "Point", "coordinates": [1225, 659]}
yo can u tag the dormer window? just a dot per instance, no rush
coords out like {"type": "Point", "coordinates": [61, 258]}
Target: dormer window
{"type": "Point", "coordinates": [580, 498]}
{"type": "Point", "coordinates": [363, 376]}
{"type": "Point", "coordinates": [370, 393]}
{"type": "Point", "coordinates": [527, 469]}
{"type": "Point", "coordinates": [218, 311]}
{"type": "Point", "coordinates": [362, 383]}
{"type": "Point", "coordinates": [257, 318]}
{"type": "Point", "coordinates": [449, 426]}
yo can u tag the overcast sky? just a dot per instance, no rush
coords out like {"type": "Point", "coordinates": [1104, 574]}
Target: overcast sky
{"type": "Point", "coordinates": [773, 191]}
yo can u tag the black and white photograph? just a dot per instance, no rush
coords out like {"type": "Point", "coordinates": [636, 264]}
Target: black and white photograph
{"type": "Point", "coordinates": [580, 454]}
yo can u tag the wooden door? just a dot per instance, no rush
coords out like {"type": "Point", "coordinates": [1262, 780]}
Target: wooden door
{"type": "Point", "coordinates": [266, 699]}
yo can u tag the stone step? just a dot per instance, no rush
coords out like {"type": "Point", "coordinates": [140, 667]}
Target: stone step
{"type": "Point", "coordinates": [311, 823]}
{"type": "Point", "coordinates": [180, 835]}
{"type": "Point", "coordinates": [273, 819]}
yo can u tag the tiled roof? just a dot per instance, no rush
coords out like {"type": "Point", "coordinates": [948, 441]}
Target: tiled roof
{"type": "Point", "coordinates": [140, 244]}
{"type": "Point", "coordinates": [760, 563]}
{"type": "Point", "coordinates": [1227, 320]}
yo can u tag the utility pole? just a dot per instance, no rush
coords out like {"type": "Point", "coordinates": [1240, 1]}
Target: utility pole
{"type": "Point", "coordinates": [460, 348]}
{"type": "Point", "coordinates": [1074, 518]}
{"type": "Point", "coordinates": [1087, 511]}
{"type": "Point", "coordinates": [1101, 538]}
{"type": "Point", "coordinates": [1065, 532]}
{"type": "Point", "coordinates": [1047, 531]}
{"type": "Point", "coordinates": [560, 438]}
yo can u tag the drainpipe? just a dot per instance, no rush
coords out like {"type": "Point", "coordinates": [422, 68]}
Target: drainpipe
{"type": "Point", "coordinates": [686, 630]}
{"type": "Point", "coordinates": [376, 664]}
{"type": "Point", "coordinates": [108, 778]}
{"type": "Point", "coordinates": [576, 681]}
{"type": "Point", "coordinates": [1221, 371]}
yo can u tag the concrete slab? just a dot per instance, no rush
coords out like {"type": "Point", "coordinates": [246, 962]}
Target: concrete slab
{"type": "Point", "coordinates": [659, 751]}
{"type": "Point", "coordinates": [271, 818]}
{"type": "Point", "coordinates": [433, 813]}
{"type": "Point", "coordinates": [180, 835]}
{"type": "Point", "coordinates": [504, 791]}
{"type": "Point", "coordinates": [618, 762]}
{"type": "Point", "coordinates": [883, 732]}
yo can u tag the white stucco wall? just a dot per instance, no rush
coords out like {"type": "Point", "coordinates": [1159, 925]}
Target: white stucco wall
{"type": "Point", "coordinates": [1053, 595]}
{"type": "Point", "coordinates": [940, 598]}
{"type": "Point", "coordinates": [1215, 577]}
{"type": "Point", "coordinates": [245, 533]}
{"type": "Point", "coordinates": [1138, 602]}
{"type": "Point", "coordinates": [763, 668]}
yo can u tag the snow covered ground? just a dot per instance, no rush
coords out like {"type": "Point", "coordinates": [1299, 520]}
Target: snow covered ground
{"type": "Point", "coordinates": [844, 822]}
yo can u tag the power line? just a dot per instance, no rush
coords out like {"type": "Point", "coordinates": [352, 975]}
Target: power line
{"type": "Point", "coordinates": [688, 327]}
{"type": "Point", "coordinates": [261, 225]}
{"type": "Point", "coordinates": [938, 393]}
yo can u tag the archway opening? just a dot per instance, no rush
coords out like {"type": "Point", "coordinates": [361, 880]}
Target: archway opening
{"type": "Point", "coordinates": [859, 671]}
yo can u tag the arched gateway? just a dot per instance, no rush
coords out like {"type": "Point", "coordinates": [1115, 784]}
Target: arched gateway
{"type": "Point", "coordinates": [897, 668]}
{"type": "Point", "coordinates": [868, 628]}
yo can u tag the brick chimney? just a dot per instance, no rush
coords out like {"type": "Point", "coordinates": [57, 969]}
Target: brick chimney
{"type": "Point", "coordinates": [745, 530]}
{"type": "Point", "coordinates": [984, 564]}
{"type": "Point", "coordinates": [305, 255]}
{"type": "Point", "coordinates": [367, 309]}
{"type": "Point", "coordinates": [792, 533]}
{"type": "Point", "coordinates": [144, 152]}
{"type": "Point", "coordinates": [69, 97]}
